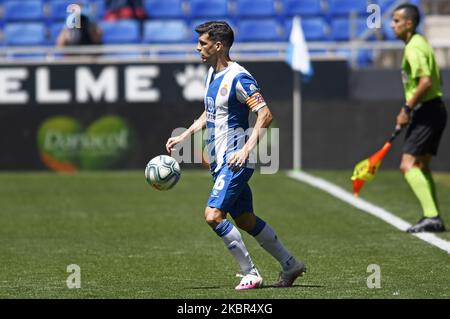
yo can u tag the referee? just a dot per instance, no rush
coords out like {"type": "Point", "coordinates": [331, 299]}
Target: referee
{"type": "Point", "coordinates": [424, 113]}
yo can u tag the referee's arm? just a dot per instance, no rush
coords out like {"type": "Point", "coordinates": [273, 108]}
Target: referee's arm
{"type": "Point", "coordinates": [425, 83]}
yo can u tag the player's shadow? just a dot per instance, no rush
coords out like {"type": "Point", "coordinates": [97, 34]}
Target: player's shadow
{"type": "Point", "coordinates": [197, 288]}
{"type": "Point", "coordinates": [293, 286]}
{"type": "Point", "coordinates": [263, 287]}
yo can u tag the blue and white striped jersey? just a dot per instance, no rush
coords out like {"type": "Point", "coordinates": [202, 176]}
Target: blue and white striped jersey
{"type": "Point", "coordinates": [229, 96]}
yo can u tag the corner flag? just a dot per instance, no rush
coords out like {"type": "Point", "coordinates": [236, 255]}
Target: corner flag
{"type": "Point", "coordinates": [297, 54]}
{"type": "Point", "coordinates": [298, 58]}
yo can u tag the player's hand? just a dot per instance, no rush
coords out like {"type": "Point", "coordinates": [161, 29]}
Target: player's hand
{"type": "Point", "coordinates": [402, 119]}
{"type": "Point", "coordinates": [171, 142]}
{"type": "Point", "coordinates": [238, 160]}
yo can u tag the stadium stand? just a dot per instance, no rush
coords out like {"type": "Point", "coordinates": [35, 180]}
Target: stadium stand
{"type": "Point", "coordinates": [165, 31]}
{"type": "Point", "coordinates": [167, 9]}
{"type": "Point", "coordinates": [55, 29]}
{"type": "Point", "coordinates": [173, 21]}
{"type": "Point", "coordinates": [31, 33]}
{"type": "Point", "coordinates": [97, 9]}
{"type": "Point", "coordinates": [57, 9]}
{"type": "Point", "coordinates": [119, 32]}
{"type": "Point", "coordinates": [303, 8]}
{"type": "Point", "coordinates": [31, 10]}
{"type": "Point", "coordinates": [314, 29]}
{"type": "Point", "coordinates": [264, 30]}
{"type": "Point", "coordinates": [344, 7]}
{"type": "Point", "coordinates": [341, 28]}
{"type": "Point", "coordinates": [208, 8]}
{"type": "Point", "coordinates": [250, 9]}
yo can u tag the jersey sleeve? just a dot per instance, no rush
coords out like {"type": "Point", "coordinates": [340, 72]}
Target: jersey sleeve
{"type": "Point", "coordinates": [248, 92]}
{"type": "Point", "coordinates": [418, 63]}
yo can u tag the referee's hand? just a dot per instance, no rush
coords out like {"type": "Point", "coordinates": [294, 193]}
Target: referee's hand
{"type": "Point", "coordinates": [402, 119]}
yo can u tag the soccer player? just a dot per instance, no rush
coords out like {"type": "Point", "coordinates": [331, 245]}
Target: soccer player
{"type": "Point", "coordinates": [423, 112]}
{"type": "Point", "coordinates": [231, 92]}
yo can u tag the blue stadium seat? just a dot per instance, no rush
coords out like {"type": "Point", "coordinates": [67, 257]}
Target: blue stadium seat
{"type": "Point", "coordinates": [165, 31]}
{"type": "Point", "coordinates": [385, 4]}
{"type": "Point", "coordinates": [31, 10]}
{"type": "Point", "coordinates": [344, 7]}
{"type": "Point", "coordinates": [340, 28]}
{"type": "Point", "coordinates": [251, 8]}
{"type": "Point", "coordinates": [26, 56]}
{"type": "Point", "coordinates": [31, 33]}
{"type": "Point", "coordinates": [58, 8]}
{"type": "Point", "coordinates": [120, 32]}
{"type": "Point", "coordinates": [208, 8]}
{"type": "Point", "coordinates": [157, 9]}
{"type": "Point", "coordinates": [258, 30]}
{"type": "Point", "coordinates": [364, 57]}
{"type": "Point", "coordinates": [55, 29]}
{"type": "Point", "coordinates": [314, 29]}
{"type": "Point", "coordinates": [302, 8]}
{"type": "Point", "coordinates": [97, 9]}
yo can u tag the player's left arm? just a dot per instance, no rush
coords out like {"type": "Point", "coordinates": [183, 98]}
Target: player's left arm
{"type": "Point", "coordinates": [264, 118]}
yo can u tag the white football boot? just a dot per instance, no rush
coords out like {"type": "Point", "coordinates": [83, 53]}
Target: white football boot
{"type": "Point", "coordinates": [249, 281]}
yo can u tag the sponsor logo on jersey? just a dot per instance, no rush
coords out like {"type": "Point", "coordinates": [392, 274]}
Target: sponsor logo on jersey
{"type": "Point", "coordinates": [224, 90]}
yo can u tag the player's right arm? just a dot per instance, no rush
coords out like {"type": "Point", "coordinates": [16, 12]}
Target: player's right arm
{"type": "Point", "coordinates": [198, 124]}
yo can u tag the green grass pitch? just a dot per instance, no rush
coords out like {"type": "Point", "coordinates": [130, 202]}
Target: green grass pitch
{"type": "Point", "coordinates": [131, 241]}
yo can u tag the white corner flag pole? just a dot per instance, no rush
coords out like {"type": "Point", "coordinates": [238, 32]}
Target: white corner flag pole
{"type": "Point", "coordinates": [296, 114]}
{"type": "Point", "coordinates": [298, 58]}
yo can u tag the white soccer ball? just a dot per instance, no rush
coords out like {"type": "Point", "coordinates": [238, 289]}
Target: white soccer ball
{"type": "Point", "coordinates": [162, 172]}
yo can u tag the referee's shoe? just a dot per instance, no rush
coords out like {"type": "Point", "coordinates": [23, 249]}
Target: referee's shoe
{"type": "Point", "coordinates": [429, 224]}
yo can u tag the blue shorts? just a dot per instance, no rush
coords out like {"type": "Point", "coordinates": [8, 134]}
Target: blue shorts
{"type": "Point", "coordinates": [231, 192]}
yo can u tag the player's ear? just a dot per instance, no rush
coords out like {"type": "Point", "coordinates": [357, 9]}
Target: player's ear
{"type": "Point", "coordinates": [219, 46]}
{"type": "Point", "coordinates": [410, 24]}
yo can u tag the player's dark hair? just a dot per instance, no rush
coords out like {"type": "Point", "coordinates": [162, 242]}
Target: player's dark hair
{"type": "Point", "coordinates": [411, 13]}
{"type": "Point", "coordinates": [217, 31]}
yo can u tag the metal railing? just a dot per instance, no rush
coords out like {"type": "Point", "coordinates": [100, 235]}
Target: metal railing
{"type": "Point", "coordinates": [273, 51]}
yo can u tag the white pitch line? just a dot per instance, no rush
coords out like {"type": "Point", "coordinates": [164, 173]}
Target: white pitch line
{"type": "Point", "coordinates": [370, 208]}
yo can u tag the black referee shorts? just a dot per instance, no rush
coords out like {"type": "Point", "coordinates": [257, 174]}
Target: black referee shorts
{"type": "Point", "coordinates": [425, 130]}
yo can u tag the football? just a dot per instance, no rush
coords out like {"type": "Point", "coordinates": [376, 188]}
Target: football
{"type": "Point", "coordinates": [162, 172]}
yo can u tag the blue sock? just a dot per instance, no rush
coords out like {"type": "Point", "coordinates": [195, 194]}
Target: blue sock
{"type": "Point", "coordinates": [259, 225]}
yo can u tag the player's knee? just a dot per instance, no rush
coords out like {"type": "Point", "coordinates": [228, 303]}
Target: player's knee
{"type": "Point", "coordinates": [409, 161]}
{"type": "Point", "coordinates": [213, 216]}
{"type": "Point", "coordinates": [246, 222]}
{"type": "Point", "coordinates": [404, 167]}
